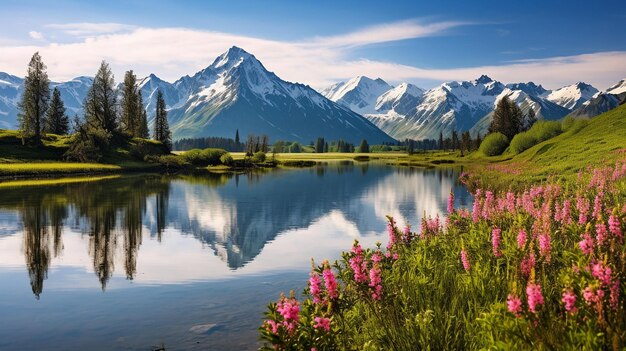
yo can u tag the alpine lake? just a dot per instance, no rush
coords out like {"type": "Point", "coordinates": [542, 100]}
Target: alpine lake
{"type": "Point", "coordinates": [152, 262]}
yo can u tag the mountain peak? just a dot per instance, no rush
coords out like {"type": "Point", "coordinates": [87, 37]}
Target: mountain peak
{"type": "Point", "coordinates": [232, 57]}
{"type": "Point", "coordinates": [484, 79]}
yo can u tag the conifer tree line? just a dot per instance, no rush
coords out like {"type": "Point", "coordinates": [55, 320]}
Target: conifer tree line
{"type": "Point", "coordinates": [40, 112]}
{"type": "Point", "coordinates": [509, 120]}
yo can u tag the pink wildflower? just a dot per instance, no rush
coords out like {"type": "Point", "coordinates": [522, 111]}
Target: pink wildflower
{"type": "Point", "coordinates": [586, 245]}
{"type": "Point", "coordinates": [602, 273]}
{"type": "Point", "coordinates": [535, 298]}
{"type": "Point", "coordinates": [271, 326]}
{"type": "Point", "coordinates": [527, 264]}
{"type": "Point", "coordinates": [566, 212]}
{"type": "Point", "coordinates": [614, 226]}
{"type": "Point", "coordinates": [614, 298]}
{"type": "Point", "coordinates": [465, 260]}
{"type": "Point", "coordinates": [375, 282]}
{"type": "Point", "coordinates": [451, 202]}
{"type": "Point", "coordinates": [514, 304]}
{"type": "Point", "coordinates": [545, 246]}
{"type": "Point", "coordinates": [315, 285]}
{"type": "Point", "coordinates": [521, 238]}
{"type": "Point", "coordinates": [582, 204]}
{"type": "Point", "coordinates": [322, 323]}
{"type": "Point", "coordinates": [597, 206]}
{"type": "Point", "coordinates": [392, 234]}
{"type": "Point", "coordinates": [487, 206]}
{"type": "Point", "coordinates": [476, 207]}
{"type": "Point", "coordinates": [592, 295]}
{"type": "Point", "coordinates": [569, 299]}
{"type": "Point", "coordinates": [601, 233]}
{"type": "Point", "coordinates": [495, 241]}
{"type": "Point", "coordinates": [331, 283]}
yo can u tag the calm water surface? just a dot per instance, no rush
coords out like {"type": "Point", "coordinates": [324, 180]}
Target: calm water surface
{"type": "Point", "coordinates": [134, 263]}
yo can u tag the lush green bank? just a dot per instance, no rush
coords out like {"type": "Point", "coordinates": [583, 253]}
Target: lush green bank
{"type": "Point", "coordinates": [538, 263]}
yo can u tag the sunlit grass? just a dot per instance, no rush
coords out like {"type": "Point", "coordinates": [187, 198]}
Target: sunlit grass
{"type": "Point", "coordinates": [36, 168]}
{"type": "Point", "coordinates": [55, 181]}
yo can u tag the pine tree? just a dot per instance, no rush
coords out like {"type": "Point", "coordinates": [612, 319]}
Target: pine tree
{"type": "Point", "coordinates": [455, 140]}
{"type": "Point", "coordinates": [56, 121]}
{"type": "Point", "coordinates": [35, 99]}
{"type": "Point", "coordinates": [440, 140]}
{"type": "Point", "coordinates": [237, 141]}
{"type": "Point", "coordinates": [161, 127]}
{"type": "Point", "coordinates": [364, 147]}
{"type": "Point", "coordinates": [142, 130]}
{"type": "Point", "coordinates": [319, 145]}
{"type": "Point", "coordinates": [507, 118]}
{"type": "Point", "coordinates": [100, 104]}
{"type": "Point", "coordinates": [530, 119]}
{"type": "Point", "coordinates": [131, 106]}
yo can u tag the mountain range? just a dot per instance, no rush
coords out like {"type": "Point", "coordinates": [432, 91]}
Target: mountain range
{"type": "Point", "coordinates": [236, 92]}
{"type": "Point", "coordinates": [407, 111]}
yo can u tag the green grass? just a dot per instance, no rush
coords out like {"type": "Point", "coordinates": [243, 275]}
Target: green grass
{"type": "Point", "coordinates": [601, 141]}
{"type": "Point", "coordinates": [45, 168]}
{"type": "Point", "coordinates": [54, 181]}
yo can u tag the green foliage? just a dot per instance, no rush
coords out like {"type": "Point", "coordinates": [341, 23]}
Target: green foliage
{"type": "Point", "coordinates": [140, 148]}
{"type": "Point", "coordinates": [101, 102]}
{"type": "Point", "coordinates": [89, 145]}
{"type": "Point", "coordinates": [364, 147]}
{"type": "Point", "coordinates": [56, 121]}
{"type": "Point", "coordinates": [539, 132]}
{"type": "Point", "coordinates": [169, 162]}
{"type": "Point", "coordinates": [226, 159]}
{"type": "Point", "coordinates": [494, 144]}
{"type": "Point", "coordinates": [133, 119]}
{"type": "Point", "coordinates": [203, 158]}
{"type": "Point", "coordinates": [259, 157]}
{"type": "Point", "coordinates": [380, 148]}
{"type": "Point", "coordinates": [295, 148]}
{"type": "Point", "coordinates": [35, 99]}
{"type": "Point", "coordinates": [507, 118]}
{"type": "Point", "coordinates": [161, 126]}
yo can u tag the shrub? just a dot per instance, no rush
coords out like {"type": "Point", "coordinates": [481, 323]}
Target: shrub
{"type": "Point", "coordinates": [169, 162]}
{"type": "Point", "coordinates": [544, 130]}
{"type": "Point", "coordinates": [259, 157]}
{"type": "Point", "coordinates": [89, 145]}
{"type": "Point", "coordinates": [295, 148]}
{"type": "Point", "coordinates": [494, 144]}
{"type": "Point", "coordinates": [226, 159]}
{"type": "Point", "coordinates": [140, 148]}
{"type": "Point", "coordinates": [206, 157]}
{"type": "Point", "coordinates": [521, 142]}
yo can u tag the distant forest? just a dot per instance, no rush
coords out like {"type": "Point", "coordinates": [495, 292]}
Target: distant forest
{"type": "Point", "coordinates": [227, 144]}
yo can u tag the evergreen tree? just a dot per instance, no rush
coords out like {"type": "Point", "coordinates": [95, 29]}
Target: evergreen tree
{"type": "Point", "coordinates": [264, 145]}
{"type": "Point", "coordinates": [319, 145]}
{"type": "Point", "coordinates": [479, 140]}
{"type": "Point", "coordinates": [440, 140]}
{"type": "Point", "coordinates": [410, 146]}
{"type": "Point", "coordinates": [326, 147]}
{"type": "Point", "coordinates": [131, 106]}
{"type": "Point", "coordinates": [35, 99]}
{"type": "Point", "coordinates": [455, 140]}
{"type": "Point", "coordinates": [364, 147]}
{"type": "Point", "coordinates": [530, 119]}
{"type": "Point", "coordinates": [142, 130]}
{"type": "Point", "coordinates": [100, 104]}
{"type": "Point", "coordinates": [237, 141]}
{"type": "Point", "coordinates": [466, 141]}
{"type": "Point", "coordinates": [56, 121]}
{"type": "Point", "coordinates": [507, 118]}
{"type": "Point", "coordinates": [161, 127]}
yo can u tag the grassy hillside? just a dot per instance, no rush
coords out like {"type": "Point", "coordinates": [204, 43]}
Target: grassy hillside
{"type": "Point", "coordinates": [18, 159]}
{"type": "Point", "coordinates": [602, 141]}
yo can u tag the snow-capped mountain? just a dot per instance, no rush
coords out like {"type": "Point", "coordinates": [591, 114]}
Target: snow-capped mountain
{"type": "Point", "coordinates": [237, 93]}
{"type": "Point", "coordinates": [572, 96]}
{"type": "Point", "coordinates": [400, 99]}
{"type": "Point", "coordinates": [617, 88]}
{"type": "Point", "coordinates": [73, 93]}
{"type": "Point", "coordinates": [466, 105]}
{"type": "Point", "coordinates": [359, 94]}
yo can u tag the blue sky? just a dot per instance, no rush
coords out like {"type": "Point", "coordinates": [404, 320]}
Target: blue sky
{"type": "Point", "coordinates": [552, 42]}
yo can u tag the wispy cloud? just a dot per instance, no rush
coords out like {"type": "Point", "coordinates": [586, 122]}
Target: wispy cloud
{"type": "Point", "coordinates": [88, 29]}
{"type": "Point", "coordinates": [35, 35]}
{"type": "Point", "coordinates": [387, 32]}
{"type": "Point", "coordinates": [173, 52]}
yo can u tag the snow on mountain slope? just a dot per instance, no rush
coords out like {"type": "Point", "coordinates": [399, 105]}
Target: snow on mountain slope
{"type": "Point", "coordinates": [400, 99]}
{"type": "Point", "coordinates": [10, 93]}
{"type": "Point", "coordinates": [572, 96]}
{"type": "Point", "coordinates": [237, 93]}
{"type": "Point", "coordinates": [359, 94]}
{"type": "Point", "coordinates": [618, 88]}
